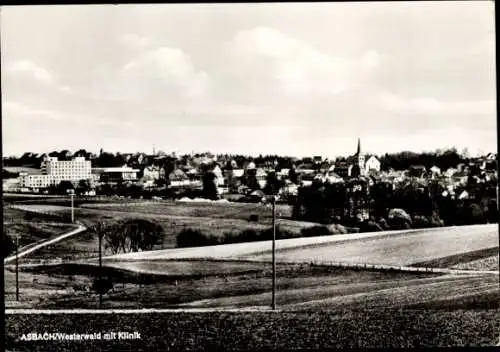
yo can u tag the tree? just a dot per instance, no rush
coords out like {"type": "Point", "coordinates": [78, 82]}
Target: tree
{"type": "Point", "coordinates": [273, 184]}
{"type": "Point", "coordinates": [133, 235]}
{"type": "Point", "coordinates": [141, 234]}
{"type": "Point", "coordinates": [83, 187]}
{"type": "Point", "coordinates": [64, 186]}
{"type": "Point", "coordinates": [292, 175]}
{"type": "Point", "coordinates": [209, 186]}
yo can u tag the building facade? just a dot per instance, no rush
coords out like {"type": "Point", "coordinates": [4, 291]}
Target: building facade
{"type": "Point", "coordinates": [53, 171]}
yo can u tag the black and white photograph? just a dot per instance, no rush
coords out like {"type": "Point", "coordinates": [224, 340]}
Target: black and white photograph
{"type": "Point", "coordinates": [250, 176]}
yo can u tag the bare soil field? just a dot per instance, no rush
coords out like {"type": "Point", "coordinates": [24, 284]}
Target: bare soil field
{"type": "Point", "coordinates": [468, 261]}
{"type": "Point", "coordinates": [400, 249]}
{"type": "Point", "coordinates": [489, 263]}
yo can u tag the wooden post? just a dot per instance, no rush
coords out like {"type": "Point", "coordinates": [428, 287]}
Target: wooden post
{"type": "Point", "coordinates": [100, 267]}
{"type": "Point", "coordinates": [72, 209]}
{"type": "Point", "coordinates": [17, 268]}
{"type": "Point", "coordinates": [274, 253]}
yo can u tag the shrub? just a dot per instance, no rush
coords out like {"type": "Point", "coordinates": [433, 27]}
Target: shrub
{"type": "Point", "coordinates": [192, 238]}
{"type": "Point", "coordinates": [371, 226]}
{"type": "Point", "coordinates": [315, 231]}
{"type": "Point", "coordinates": [420, 222]}
{"type": "Point", "coordinates": [103, 285]}
{"type": "Point", "coordinates": [383, 224]}
{"type": "Point", "coordinates": [254, 218]}
{"type": "Point", "coordinates": [248, 236]}
{"type": "Point", "coordinates": [341, 229]}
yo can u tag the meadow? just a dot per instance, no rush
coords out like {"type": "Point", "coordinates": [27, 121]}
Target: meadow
{"type": "Point", "coordinates": [31, 232]}
{"type": "Point", "coordinates": [85, 245]}
{"type": "Point", "coordinates": [312, 330]}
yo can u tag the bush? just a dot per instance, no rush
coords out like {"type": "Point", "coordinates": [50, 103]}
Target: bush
{"type": "Point", "coordinates": [103, 285]}
{"type": "Point", "coordinates": [254, 218]}
{"type": "Point", "coordinates": [371, 226]}
{"type": "Point", "coordinates": [192, 238]}
{"type": "Point", "coordinates": [420, 222]}
{"type": "Point", "coordinates": [315, 231]}
{"type": "Point", "coordinates": [248, 236]}
{"type": "Point", "coordinates": [383, 224]}
{"type": "Point", "coordinates": [352, 229]}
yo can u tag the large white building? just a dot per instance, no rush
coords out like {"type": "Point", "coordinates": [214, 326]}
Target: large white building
{"type": "Point", "coordinates": [53, 171]}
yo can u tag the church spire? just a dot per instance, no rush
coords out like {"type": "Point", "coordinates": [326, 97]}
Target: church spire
{"type": "Point", "coordinates": [358, 152]}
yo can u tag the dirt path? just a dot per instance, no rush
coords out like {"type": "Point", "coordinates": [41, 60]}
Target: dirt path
{"type": "Point", "coordinates": [23, 253]}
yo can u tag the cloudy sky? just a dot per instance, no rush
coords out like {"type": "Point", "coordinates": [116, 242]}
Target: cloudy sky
{"type": "Point", "coordinates": [294, 79]}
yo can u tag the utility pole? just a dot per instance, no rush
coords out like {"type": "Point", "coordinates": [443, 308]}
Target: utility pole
{"type": "Point", "coordinates": [498, 212]}
{"type": "Point", "coordinates": [100, 267]}
{"type": "Point", "coordinates": [17, 268]}
{"type": "Point", "coordinates": [274, 253]}
{"type": "Point", "coordinates": [72, 193]}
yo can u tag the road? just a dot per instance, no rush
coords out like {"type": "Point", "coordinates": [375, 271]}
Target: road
{"type": "Point", "coordinates": [80, 229]}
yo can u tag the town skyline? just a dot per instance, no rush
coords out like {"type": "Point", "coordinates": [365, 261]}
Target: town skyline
{"type": "Point", "coordinates": [285, 79]}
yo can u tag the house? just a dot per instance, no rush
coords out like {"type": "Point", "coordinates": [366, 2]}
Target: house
{"type": "Point", "coordinates": [116, 174]}
{"type": "Point", "coordinates": [307, 179]}
{"type": "Point", "coordinates": [452, 171]}
{"type": "Point", "coordinates": [372, 165]}
{"type": "Point", "coordinates": [491, 156]}
{"type": "Point", "coordinates": [249, 166]}
{"type": "Point", "coordinates": [219, 177]}
{"type": "Point", "coordinates": [289, 189]}
{"type": "Point", "coordinates": [435, 172]}
{"type": "Point", "coordinates": [418, 171]}
{"type": "Point", "coordinates": [305, 169]}
{"type": "Point", "coordinates": [153, 173]}
{"type": "Point", "coordinates": [343, 169]}
{"type": "Point", "coordinates": [317, 159]}
{"type": "Point", "coordinates": [283, 174]}
{"type": "Point", "coordinates": [178, 178]}
{"type": "Point", "coordinates": [261, 175]}
{"type": "Point", "coordinates": [353, 166]}
{"type": "Point", "coordinates": [232, 178]}
{"type": "Point", "coordinates": [11, 184]}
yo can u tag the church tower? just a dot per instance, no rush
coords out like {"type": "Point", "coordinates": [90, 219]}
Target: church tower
{"type": "Point", "coordinates": [360, 158]}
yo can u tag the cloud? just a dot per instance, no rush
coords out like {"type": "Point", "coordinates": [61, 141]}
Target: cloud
{"type": "Point", "coordinates": [18, 109]}
{"type": "Point", "coordinates": [167, 71]}
{"type": "Point", "coordinates": [272, 57]}
{"type": "Point", "coordinates": [30, 70]}
{"type": "Point", "coordinates": [136, 41]}
{"type": "Point", "coordinates": [37, 72]}
{"type": "Point", "coordinates": [427, 105]}
{"type": "Point", "coordinates": [14, 109]}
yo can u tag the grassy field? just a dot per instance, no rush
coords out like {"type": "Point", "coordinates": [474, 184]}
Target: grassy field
{"type": "Point", "coordinates": [379, 328]}
{"type": "Point", "coordinates": [298, 287]}
{"type": "Point", "coordinates": [31, 232]}
{"type": "Point", "coordinates": [172, 224]}
{"type": "Point", "coordinates": [166, 283]}
{"type": "Point", "coordinates": [199, 209]}
{"type": "Point", "coordinates": [34, 288]}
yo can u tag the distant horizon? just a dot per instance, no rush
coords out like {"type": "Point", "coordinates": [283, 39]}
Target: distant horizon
{"type": "Point", "coordinates": [178, 153]}
{"type": "Point", "coordinates": [298, 79]}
